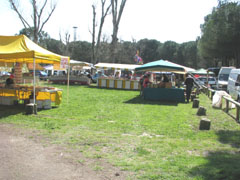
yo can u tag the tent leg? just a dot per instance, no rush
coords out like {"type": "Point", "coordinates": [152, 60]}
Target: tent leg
{"type": "Point", "coordinates": [34, 87]}
{"type": "Point", "coordinates": [68, 81]}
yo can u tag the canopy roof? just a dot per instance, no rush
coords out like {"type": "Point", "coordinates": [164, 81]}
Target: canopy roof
{"type": "Point", "coordinates": [74, 64]}
{"type": "Point", "coordinates": [117, 66]}
{"type": "Point", "coordinates": [79, 63]}
{"type": "Point", "coordinates": [23, 50]}
{"type": "Point", "coordinates": [187, 69]}
{"type": "Point", "coordinates": [201, 72]}
{"type": "Point", "coordinates": [161, 65]}
{"type": "Point", "coordinates": [37, 66]}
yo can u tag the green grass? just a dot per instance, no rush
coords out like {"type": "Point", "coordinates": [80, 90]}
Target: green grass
{"type": "Point", "coordinates": [151, 140]}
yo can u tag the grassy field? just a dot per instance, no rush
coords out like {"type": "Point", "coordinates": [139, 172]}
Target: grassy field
{"type": "Point", "coordinates": [151, 140]}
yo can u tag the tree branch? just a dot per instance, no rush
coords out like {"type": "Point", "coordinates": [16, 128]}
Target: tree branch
{"type": "Point", "coordinates": [14, 7]}
{"type": "Point", "coordinates": [40, 13]}
{"type": "Point", "coordinates": [50, 14]}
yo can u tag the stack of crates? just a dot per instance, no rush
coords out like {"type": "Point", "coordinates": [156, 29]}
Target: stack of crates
{"type": "Point", "coordinates": [43, 104]}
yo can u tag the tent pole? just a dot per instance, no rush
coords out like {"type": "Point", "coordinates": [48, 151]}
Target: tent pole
{"type": "Point", "coordinates": [68, 80]}
{"type": "Point", "coordinates": [34, 85]}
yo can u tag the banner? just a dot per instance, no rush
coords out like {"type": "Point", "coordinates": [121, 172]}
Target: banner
{"type": "Point", "coordinates": [64, 63]}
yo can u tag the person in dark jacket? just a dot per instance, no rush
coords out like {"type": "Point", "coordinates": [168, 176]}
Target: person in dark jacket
{"type": "Point", "coordinates": [165, 78]}
{"type": "Point", "coordinates": [9, 82]}
{"type": "Point", "coordinates": [189, 85]}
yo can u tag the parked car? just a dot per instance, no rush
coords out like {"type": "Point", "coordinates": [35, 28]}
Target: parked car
{"type": "Point", "coordinates": [203, 81]}
{"type": "Point", "coordinates": [215, 70]}
{"type": "Point", "coordinates": [42, 75]}
{"type": "Point", "coordinates": [223, 78]}
{"type": "Point", "coordinates": [233, 87]}
{"type": "Point", "coordinates": [4, 73]}
{"type": "Point", "coordinates": [59, 73]}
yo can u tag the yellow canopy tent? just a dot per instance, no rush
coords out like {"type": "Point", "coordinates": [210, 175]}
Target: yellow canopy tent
{"type": "Point", "coordinates": [20, 49]}
{"type": "Point", "coordinates": [37, 67]}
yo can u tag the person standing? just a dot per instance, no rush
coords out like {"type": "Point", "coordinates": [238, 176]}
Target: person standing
{"type": "Point", "coordinates": [189, 85]}
{"type": "Point", "coordinates": [146, 81]}
{"type": "Point", "coordinates": [141, 84]}
{"type": "Point", "coordinates": [165, 78]}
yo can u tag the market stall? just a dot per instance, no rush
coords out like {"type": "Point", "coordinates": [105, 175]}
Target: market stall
{"type": "Point", "coordinates": [73, 79]}
{"type": "Point", "coordinates": [201, 72]}
{"type": "Point", "coordinates": [121, 76]}
{"type": "Point", "coordinates": [166, 91]}
{"type": "Point", "coordinates": [45, 96]}
{"type": "Point", "coordinates": [17, 50]}
{"type": "Point", "coordinates": [76, 74]}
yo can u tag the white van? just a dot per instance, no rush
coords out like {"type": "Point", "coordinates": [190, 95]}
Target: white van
{"type": "Point", "coordinates": [233, 87]}
{"type": "Point", "coordinates": [223, 75]}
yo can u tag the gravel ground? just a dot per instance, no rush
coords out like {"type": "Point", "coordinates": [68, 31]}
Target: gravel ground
{"type": "Point", "coordinates": [24, 158]}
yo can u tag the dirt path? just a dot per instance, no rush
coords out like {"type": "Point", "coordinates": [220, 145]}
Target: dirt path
{"type": "Point", "coordinates": [22, 158]}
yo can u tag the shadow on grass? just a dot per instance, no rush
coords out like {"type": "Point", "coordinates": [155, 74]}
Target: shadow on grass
{"type": "Point", "coordinates": [140, 100]}
{"type": "Point", "coordinates": [229, 137]}
{"type": "Point", "coordinates": [224, 164]}
{"type": "Point", "coordinates": [6, 111]}
{"type": "Point", "coordinates": [220, 166]}
{"type": "Point", "coordinates": [231, 114]}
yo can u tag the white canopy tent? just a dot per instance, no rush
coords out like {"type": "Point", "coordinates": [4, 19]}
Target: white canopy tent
{"type": "Point", "coordinates": [113, 66]}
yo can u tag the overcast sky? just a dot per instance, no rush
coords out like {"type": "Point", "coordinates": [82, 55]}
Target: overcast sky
{"type": "Point", "coordinates": [176, 20]}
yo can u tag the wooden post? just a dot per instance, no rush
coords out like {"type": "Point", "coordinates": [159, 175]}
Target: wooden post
{"type": "Point", "coordinates": [195, 103]}
{"type": "Point", "coordinates": [193, 96]}
{"type": "Point", "coordinates": [212, 94]}
{"type": "Point", "coordinates": [31, 109]}
{"type": "Point", "coordinates": [205, 124]}
{"type": "Point", "coordinates": [227, 106]}
{"type": "Point", "coordinates": [201, 111]}
{"type": "Point", "coordinates": [237, 113]}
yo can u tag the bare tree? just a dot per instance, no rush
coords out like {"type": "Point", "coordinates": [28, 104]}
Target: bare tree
{"type": "Point", "coordinates": [37, 14]}
{"type": "Point", "coordinates": [65, 40]}
{"type": "Point", "coordinates": [93, 34]}
{"type": "Point", "coordinates": [116, 17]}
{"type": "Point", "coordinates": [104, 13]}
{"type": "Point", "coordinates": [103, 16]}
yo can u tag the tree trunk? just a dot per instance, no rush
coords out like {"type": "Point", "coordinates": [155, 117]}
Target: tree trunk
{"type": "Point", "coordinates": [93, 34]}
{"type": "Point", "coordinates": [35, 29]}
{"type": "Point", "coordinates": [103, 16]}
{"type": "Point", "coordinates": [237, 59]}
{"type": "Point", "coordinates": [116, 20]}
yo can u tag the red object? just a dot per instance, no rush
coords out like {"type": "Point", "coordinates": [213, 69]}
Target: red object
{"type": "Point", "coordinates": [11, 76]}
{"type": "Point", "coordinates": [145, 82]}
{"type": "Point", "coordinates": [196, 75]}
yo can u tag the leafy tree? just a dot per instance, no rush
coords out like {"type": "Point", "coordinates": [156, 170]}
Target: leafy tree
{"type": "Point", "coordinates": [148, 49]}
{"type": "Point", "coordinates": [80, 50]}
{"type": "Point", "coordinates": [220, 34]}
{"type": "Point", "coordinates": [126, 52]}
{"type": "Point", "coordinates": [168, 51]}
{"type": "Point", "coordinates": [54, 45]}
{"type": "Point", "coordinates": [29, 32]}
{"type": "Point", "coordinates": [189, 54]}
